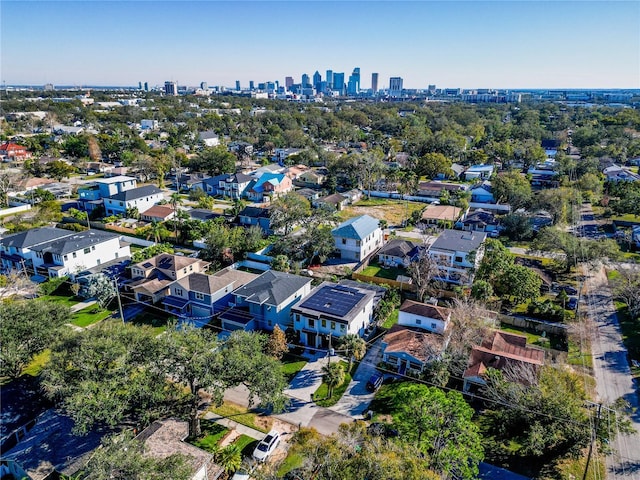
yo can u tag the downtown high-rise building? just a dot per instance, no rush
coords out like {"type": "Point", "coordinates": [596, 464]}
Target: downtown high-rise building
{"type": "Point", "coordinates": [238, 85]}
{"type": "Point", "coordinates": [395, 86]}
{"type": "Point", "coordinates": [171, 88]}
{"type": "Point", "coordinates": [374, 83]}
{"type": "Point", "coordinates": [329, 79]}
{"type": "Point", "coordinates": [252, 85]}
{"type": "Point", "coordinates": [317, 80]}
{"type": "Point", "coordinates": [353, 87]}
{"type": "Point", "coordinates": [338, 83]}
{"type": "Point", "coordinates": [288, 83]}
{"type": "Point", "coordinates": [305, 81]}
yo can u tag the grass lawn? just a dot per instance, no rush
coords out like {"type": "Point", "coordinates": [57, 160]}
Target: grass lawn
{"type": "Point", "coordinates": [156, 320]}
{"type": "Point", "coordinates": [243, 416]}
{"type": "Point", "coordinates": [574, 468]}
{"type": "Point", "coordinates": [630, 333]}
{"type": "Point", "coordinates": [212, 433]}
{"type": "Point", "coordinates": [247, 444]}
{"type": "Point", "coordinates": [375, 270]}
{"type": "Point", "coordinates": [293, 460]}
{"type": "Point", "coordinates": [291, 365]}
{"type": "Point", "coordinates": [37, 362]}
{"type": "Point", "coordinates": [66, 300]}
{"type": "Point", "coordinates": [321, 395]}
{"type": "Point", "coordinates": [89, 315]}
{"type": "Point", "coordinates": [392, 319]}
{"type": "Point", "coordinates": [629, 217]}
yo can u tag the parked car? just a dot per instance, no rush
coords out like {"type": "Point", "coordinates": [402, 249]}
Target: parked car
{"type": "Point", "coordinates": [572, 303]}
{"type": "Point", "coordinates": [375, 382]}
{"type": "Point", "coordinates": [569, 289]}
{"type": "Point", "coordinates": [267, 446]}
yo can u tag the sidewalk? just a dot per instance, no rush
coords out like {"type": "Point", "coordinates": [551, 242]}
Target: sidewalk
{"type": "Point", "coordinates": [79, 306]}
{"type": "Point", "coordinates": [233, 425]}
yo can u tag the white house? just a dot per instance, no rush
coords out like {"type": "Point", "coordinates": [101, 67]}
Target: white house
{"type": "Point", "coordinates": [142, 198]}
{"type": "Point", "coordinates": [615, 173]}
{"type": "Point", "coordinates": [333, 310]}
{"type": "Point", "coordinates": [56, 252]}
{"type": "Point", "coordinates": [358, 237]}
{"type": "Point", "coordinates": [149, 124]}
{"type": "Point", "coordinates": [422, 315]}
{"type": "Point", "coordinates": [478, 171]}
{"type": "Point", "coordinates": [457, 253]}
{"type": "Point", "coordinates": [209, 138]}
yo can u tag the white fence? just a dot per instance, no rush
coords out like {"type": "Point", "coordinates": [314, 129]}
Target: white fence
{"type": "Point", "coordinates": [14, 210]}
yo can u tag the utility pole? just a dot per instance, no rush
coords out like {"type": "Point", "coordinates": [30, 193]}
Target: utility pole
{"type": "Point", "coordinates": [329, 352]}
{"type": "Point", "coordinates": [593, 439]}
{"type": "Point", "coordinates": [115, 283]}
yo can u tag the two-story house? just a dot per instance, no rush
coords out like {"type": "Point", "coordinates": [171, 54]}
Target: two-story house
{"type": "Point", "coordinates": [482, 193]}
{"type": "Point", "coordinates": [199, 296]}
{"type": "Point", "coordinates": [268, 187]}
{"type": "Point", "coordinates": [13, 152]}
{"type": "Point", "coordinates": [211, 185]}
{"type": "Point", "coordinates": [481, 171]}
{"type": "Point", "coordinates": [265, 302]}
{"type": "Point", "coordinates": [358, 237]}
{"type": "Point", "coordinates": [234, 186]}
{"type": "Point", "coordinates": [420, 337]}
{"type": "Point", "coordinates": [141, 198]}
{"type": "Point", "coordinates": [56, 252]}
{"type": "Point", "coordinates": [333, 310]}
{"type": "Point", "coordinates": [457, 255]}
{"type": "Point", "coordinates": [90, 196]}
{"type": "Point", "coordinates": [150, 279]}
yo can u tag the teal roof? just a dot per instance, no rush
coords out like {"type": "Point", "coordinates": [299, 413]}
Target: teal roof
{"type": "Point", "coordinates": [357, 228]}
{"type": "Point", "coordinates": [272, 178]}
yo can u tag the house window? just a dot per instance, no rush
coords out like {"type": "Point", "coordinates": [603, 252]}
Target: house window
{"type": "Point", "coordinates": [184, 270]}
{"type": "Point", "coordinates": [433, 325]}
{"type": "Point", "coordinates": [199, 296]}
{"type": "Point", "coordinates": [344, 241]}
{"type": "Point", "coordinates": [191, 268]}
{"type": "Point", "coordinates": [343, 328]}
{"type": "Point", "coordinates": [418, 321]}
{"type": "Point", "coordinates": [179, 291]}
{"type": "Point", "coordinates": [66, 257]}
{"type": "Point", "coordinates": [98, 262]}
{"type": "Point", "coordinates": [74, 255]}
{"type": "Point", "coordinates": [121, 204]}
{"type": "Point", "coordinates": [93, 248]}
{"type": "Point", "coordinates": [87, 250]}
{"type": "Point", "coordinates": [358, 243]}
{"type": "Point", "coordinates": [459, 259]}
{"type": "Point", "coordinates": [333, 325]}
{"type": "Point", "coordinates": [324, 323]}
{"type": "Point", "coordinates": [312, 323]}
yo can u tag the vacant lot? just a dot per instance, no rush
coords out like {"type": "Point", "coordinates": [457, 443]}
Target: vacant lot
{"type": "Point", "coordinates": [393, 211]}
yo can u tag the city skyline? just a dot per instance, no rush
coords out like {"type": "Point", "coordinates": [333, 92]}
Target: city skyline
{"type": "Point", "coordinates": [451, 44]}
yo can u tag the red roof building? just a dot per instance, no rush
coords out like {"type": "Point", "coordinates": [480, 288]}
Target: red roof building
{"type": "Point", "coordinates": [13, 151]}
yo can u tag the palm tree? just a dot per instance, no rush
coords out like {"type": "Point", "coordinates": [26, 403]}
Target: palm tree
{"type": "Point", "coordinates": [354, 347]}
{"type": "Point", "coordinates": [156, 231]}
{"type": "Point", "coordinates": [333, 376]}
{"type": "Point", "coordinates": [229, 457]}
{"type": "Point", "coordinates": [175, 199]}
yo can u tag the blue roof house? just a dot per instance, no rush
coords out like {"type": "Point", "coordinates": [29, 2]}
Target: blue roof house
{"type": "Point", "coordinates": [358, 237]}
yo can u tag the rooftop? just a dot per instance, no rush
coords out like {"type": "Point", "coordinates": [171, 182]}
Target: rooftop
{"type": "Point", "coordinates": [357, 228]}
{"type": "Point", "coordinates": [272, 287]}
{"type": "Point", "coordinates": [441, 212]}
{"type": "Point", "coordinates": [117, 179]}
{"type": "Point", "coordinates": [421, 345]}
{"type": "Point", "coordinates": [167, 261]}
{"type": "Point", "coordinates": [399, 248]}
{"type": "Point", "coordinates": [459, 241]}
{"type": "Point", "coordinates": [136, 193]}
{"type": "Point", "coordinates": [426, 310]}
{"type": "Point", "coordinates": [203, 283]}
{"type": "Point", "coordinates": [337, 301]}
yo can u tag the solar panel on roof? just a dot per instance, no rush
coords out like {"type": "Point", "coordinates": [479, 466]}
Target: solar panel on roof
{"type": "Point", "coordinates": [338, 300]}
{"type": "Point", "coordinates": [147, 265]}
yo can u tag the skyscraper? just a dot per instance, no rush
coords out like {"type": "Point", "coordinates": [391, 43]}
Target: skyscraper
{"type": "Point", "coordinates": [305, 81]}
{"type": "Point", "coordinates": [374, 83]}
{"type": "Point", "coordinates": [338, 83]}
{"type": "Point", "coordinates": [146, 86]}
{"type": "Point", "coordinates": [317, 78]}
{"type": "Point", "coordinates": [171, 88]}
{"type": "Point", "coordinates": [395, 86]}
{"type": "Point", "coordinates": [288, 82]}
{"type": "Point", "coordinates": [238, 85]}
{"type": "Point", "coordinates": [354, 82]}
{"type": "Point", "coordinates": [204, 86]}
{"type": "Point", "coordinates": [329, 79]}
{"type": "Point", "coordinates": [252, 85]}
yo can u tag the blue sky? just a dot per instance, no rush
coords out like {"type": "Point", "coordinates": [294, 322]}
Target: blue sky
{"type": "Point", "coordinates": [501, 44]}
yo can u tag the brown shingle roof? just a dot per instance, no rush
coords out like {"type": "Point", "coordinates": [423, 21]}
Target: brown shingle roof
{"type": "Point", "coordinates": [419, 344]}
{"type": "Point", "coordinates": [426, 310]}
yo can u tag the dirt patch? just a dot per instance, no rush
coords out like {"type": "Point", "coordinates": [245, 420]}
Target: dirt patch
{"type": "Point", "coordinates": [393, 213]}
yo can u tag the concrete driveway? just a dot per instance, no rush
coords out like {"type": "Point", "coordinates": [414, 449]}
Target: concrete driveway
{"type": "Point", "coordinates": [356, 399]}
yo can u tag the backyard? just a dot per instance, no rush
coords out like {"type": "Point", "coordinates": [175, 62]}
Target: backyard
{"type": "Point", "coordinates": [393, 211]}
{"type": "Point", "coordinates": [376, 270]}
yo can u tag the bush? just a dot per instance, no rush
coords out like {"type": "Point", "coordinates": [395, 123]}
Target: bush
{"type": "Point", "coordinates": [47, 288]}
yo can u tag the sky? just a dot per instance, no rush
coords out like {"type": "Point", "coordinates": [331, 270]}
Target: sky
{"type": "Point", "coordinates": [465, 44]}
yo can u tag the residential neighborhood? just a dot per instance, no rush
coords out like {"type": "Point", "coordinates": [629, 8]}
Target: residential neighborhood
{"type": "Point", "coordinates": [221, 298]}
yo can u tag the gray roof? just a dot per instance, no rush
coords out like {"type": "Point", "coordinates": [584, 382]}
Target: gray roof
{"type": "Point", "coordinates": [338, 302]}
{"type": "Point", "coordinates": [238, 178]}
{"type": "Point", "coordinates": [272, 287]}
{"type": "Point", "coordinates": [75, 241]}
{"type": "Point", "coordinates": [459, 241]}
{"type": "Point", "coordinates": [35, 236]}
{"type": "Point", "coordinates": [398, 248]}
{"type": "Point", "coordinates": [203, 283]}
{"type": "Point", "coordinates": [135, 193]}
{"type": "Point", "coordinates": [357, 228]}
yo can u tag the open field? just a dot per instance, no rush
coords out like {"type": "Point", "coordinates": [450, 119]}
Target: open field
{"type": "Point", "coordinates": [393, 211]}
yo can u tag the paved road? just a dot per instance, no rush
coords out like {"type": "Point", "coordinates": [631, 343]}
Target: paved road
{"type": "Point", "coordinates": [356, 399]}
{"type": "Point", "coordinates": [610, 363]}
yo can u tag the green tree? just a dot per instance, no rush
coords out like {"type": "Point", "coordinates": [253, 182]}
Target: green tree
{"type": "Point", "coordinates": [431, 165]}
{"type": "Point", "coordinates": [101, 288]}
{"type": "Point", "coordinates": [27, 328]}
{"type": "Point", "coordinates": [517, 226]}
{"type": "Point", "coordinates": [280, 263]}
{"type": "Point", "coordinates": [122, 457]}
{"type": "Point", "coordinates": [333, 375]}
{"type": "Point", "coordinates": [229, 457]}
{"type": "Point", "coordinates": [441, 425]}
{"type": "Point", "coordinates": [353, 347]}
{"type": "Point", "coordinates": [59, 170]}
{"type": "Point", "coordinates": [287, 211]}
{"type": "Point", "coordinates": [481, 290]}
{"type": "Point", "coordinates": [512, 188]}
{"type": "Point", "coordinates": [277, 344]}
{"type": "Point", "coordinates": [214, 161]}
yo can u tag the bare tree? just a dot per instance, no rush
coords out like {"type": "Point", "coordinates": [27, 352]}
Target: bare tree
{"type": "Point", "coordinates": [626, 287]}
{"type": "Point", "coordinates": [421, 271]}
{"type": "Point", "coordinates": [16, 283]}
